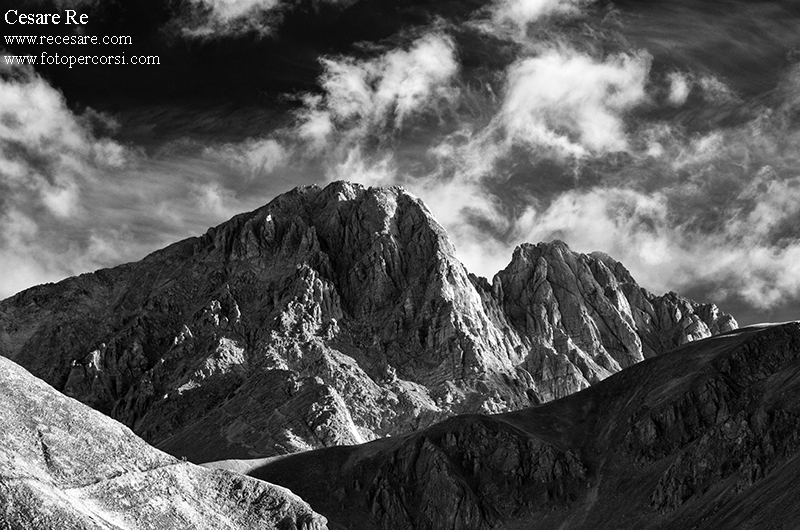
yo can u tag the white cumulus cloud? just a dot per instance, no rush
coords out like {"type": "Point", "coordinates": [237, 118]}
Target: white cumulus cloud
{"type": "Point", "coordinates": [573, 102]}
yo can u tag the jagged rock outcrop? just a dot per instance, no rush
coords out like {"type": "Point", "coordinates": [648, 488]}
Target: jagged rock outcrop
{"type": "Point", "coordinates": [706, 436]}
{"type": "Point", "coordinates": [333, 316]}
{"type": "Point", "coordinates": [66, 466]}
{"type": "Point", "coordinates": [585, 317]}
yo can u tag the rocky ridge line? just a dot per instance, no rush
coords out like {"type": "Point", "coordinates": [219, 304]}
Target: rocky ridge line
{"type": "Point", "coordinates": [334, 316]}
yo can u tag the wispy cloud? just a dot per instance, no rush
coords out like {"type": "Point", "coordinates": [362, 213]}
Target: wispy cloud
{"type": "Point", "coordinates": [254, 157]}
{"type": "Point", "coordinates": [222, 18]}
{"type": "Point", "coordinates": [214, 18]}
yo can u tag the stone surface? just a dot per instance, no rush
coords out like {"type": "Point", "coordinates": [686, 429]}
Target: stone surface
{"type": "Point", "coordinates": [66, 466]}
{"type": "Point", "coordinates": [584, 316]}
{"type": "Point", "coordinates": [334, 316]}
{"type": "Point", "coordinates": [706, 436]}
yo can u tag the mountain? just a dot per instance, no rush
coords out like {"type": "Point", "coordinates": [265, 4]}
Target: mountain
{"type": "Point", "coordinates": [706, 436]}
{"type": "Point", "coordinates": [334, 316]}
{"type": "Point", "coordinates": [67, 466]}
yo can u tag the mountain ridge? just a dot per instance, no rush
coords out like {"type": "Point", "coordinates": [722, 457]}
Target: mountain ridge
{"type": "Point", "coordinates": [705, 437]}
{"type": "Point", "coordinates": [334, 316]}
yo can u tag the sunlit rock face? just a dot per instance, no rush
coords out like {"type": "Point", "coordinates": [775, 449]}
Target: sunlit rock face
{"type": "Point", "coordinates": [584, 317]}
{"type": "Point", "coordinates": [333, 316]}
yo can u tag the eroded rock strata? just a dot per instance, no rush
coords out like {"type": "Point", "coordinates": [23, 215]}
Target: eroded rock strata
{"type": "Point", "coordinates": [334, 316]}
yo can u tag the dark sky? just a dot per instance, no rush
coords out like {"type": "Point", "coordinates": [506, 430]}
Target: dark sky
{"type": "Point", "coordinates": [664, 133]}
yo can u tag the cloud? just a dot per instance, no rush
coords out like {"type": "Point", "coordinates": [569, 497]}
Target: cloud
{"type": "Point", "coordinates": [572, 102]}
{"type": "Point", "coordinates": [74, 200]}
{"type": "Point", "coordinates": [679, 88]}
{"type": "Point", "coordinates": [679, 85]}
{"type": "Point", "coordinates": [370, 171]}
{"type": "Point", "coordinates": [227, 10]}
{"type": "Point", "coordinates": [373, 96]}
{"type": "Point", "coordinates": [219, 18]}
{"type": "Point", "coordinates": [214, 198]}
{"type": "Point", "coordinates": [744, 43]}
{"type": "Point", "coordinates": [46, 151]}
{"type": "Point", "coordinates": [520, 13]}
{"type": "Point", "coordinates": [513, 19]}
{"type": "Point", "coordinates": [254, 157]}
{"type": "Point", "coordinates": [49, 160]}
{"type": "Point", "coordinates": [214, 18]}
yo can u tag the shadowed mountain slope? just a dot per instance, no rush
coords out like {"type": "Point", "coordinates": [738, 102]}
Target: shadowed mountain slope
{"type": "Point", "coordinates": [706, 436]}
{"type": "Point", "coordinates": [334, 316]}
{"type": "Point", "coordinates": [66, 466]}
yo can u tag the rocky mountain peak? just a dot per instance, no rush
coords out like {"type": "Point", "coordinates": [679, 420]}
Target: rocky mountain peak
{"type": "Point", "coordinates": [332, 316]}
{"type": "Point", "coordinates": [589, 309]}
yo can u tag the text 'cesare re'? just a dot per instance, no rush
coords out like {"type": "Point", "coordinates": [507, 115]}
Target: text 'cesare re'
{"type": "Point", "coordinates": [15, 17]}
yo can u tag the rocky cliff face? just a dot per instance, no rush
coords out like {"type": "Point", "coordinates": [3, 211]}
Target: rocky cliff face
{"type": "Point", "coordinates": [584, 317]}
{"type": "Point", "coordinates": [66, 466]}
{"type": "Point", "coordinates": [706, 436]}
{"type": "Point", "coordinates": [334, 316]}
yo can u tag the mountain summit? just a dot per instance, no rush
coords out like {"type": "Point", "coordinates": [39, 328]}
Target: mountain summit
{"type": "Point", "coordinates": [334, 316]}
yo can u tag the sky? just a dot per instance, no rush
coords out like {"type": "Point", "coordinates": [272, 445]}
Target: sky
{"type": "Point", "coordinates": [665, 133]}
